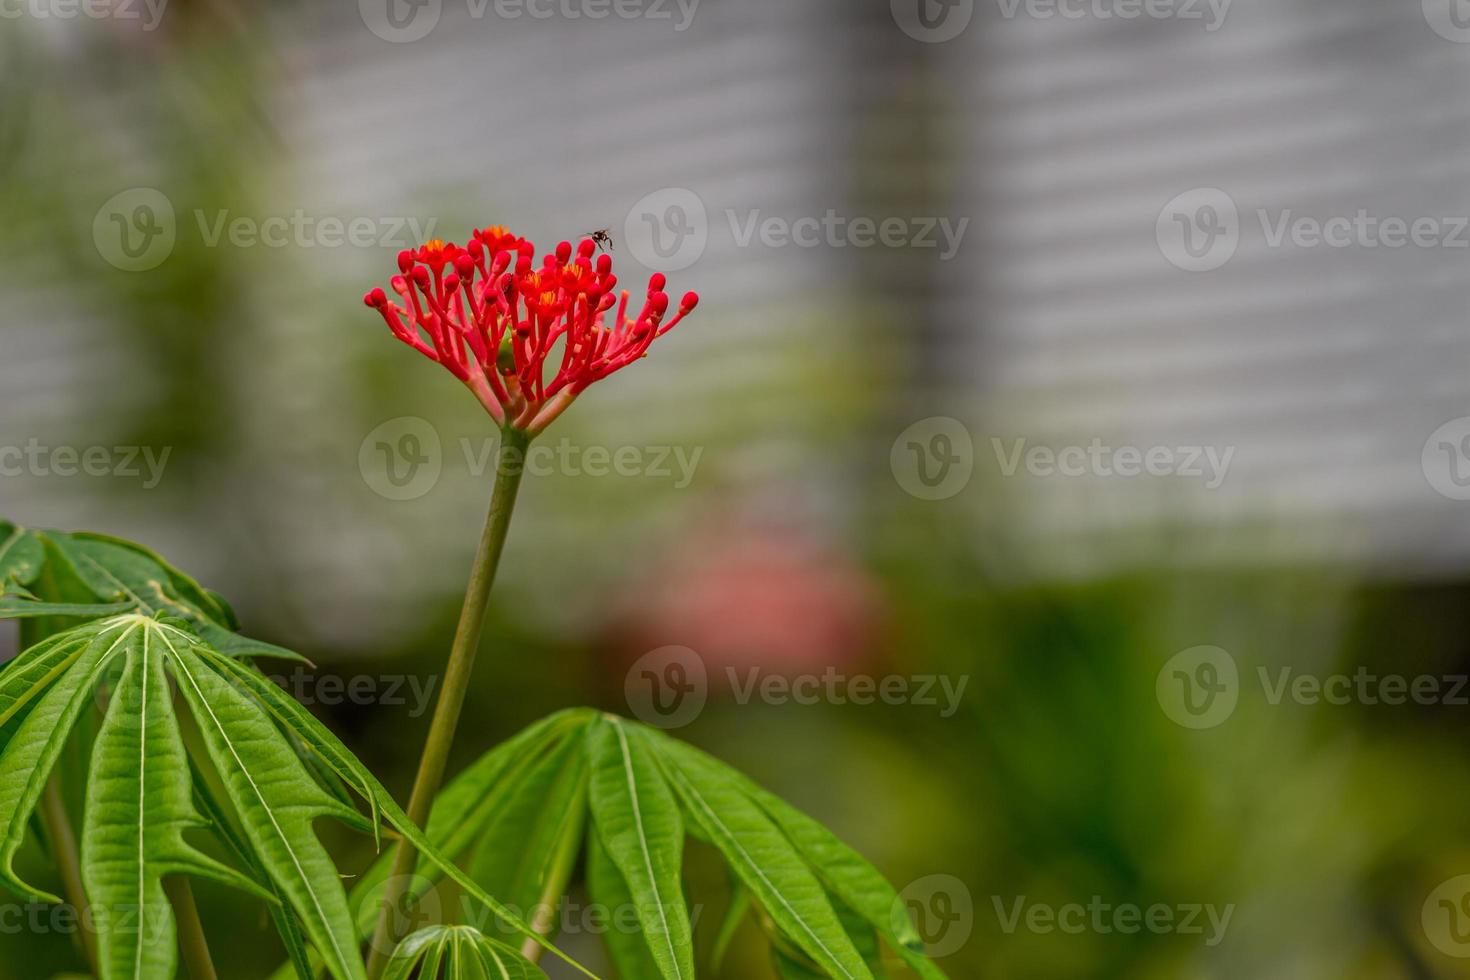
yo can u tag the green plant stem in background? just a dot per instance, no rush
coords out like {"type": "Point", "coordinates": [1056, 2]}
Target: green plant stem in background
{"type": "Point", "coordinates": [509, 468]}
{"type": "Point", "coordinates": [193, 947]}
{"type": "Point", "coordinates": [64, 852]}
{"type": "Point", "coordinates": [560, 874]}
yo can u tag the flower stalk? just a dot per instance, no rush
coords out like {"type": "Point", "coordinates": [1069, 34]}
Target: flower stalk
{"type": "Point", "coordinates": [508, 472]}
{"type": "Point", "coordinates": [526, 339]}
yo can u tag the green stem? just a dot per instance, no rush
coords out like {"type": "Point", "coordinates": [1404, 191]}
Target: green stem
{"type": "Point", "coordinates": [64, 850]}
{"type": "Point", "coordinates": [192, 944]}
{"type": "Point", "coordinates": [564, 861]}
{"type": "Point", "coordinates": [509, 466]}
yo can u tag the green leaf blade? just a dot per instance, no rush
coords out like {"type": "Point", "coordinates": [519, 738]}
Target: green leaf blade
{"type": "Point", "coordinates": [760, 855]}
{"type": "Point", "coordinates": [277, 802]}
{"type": "Point", "coordinates": [138, 807]}
{"type": "Point", "coordinates": [639, 825]}
{"type": "Point", "coordinates": [32, 750]}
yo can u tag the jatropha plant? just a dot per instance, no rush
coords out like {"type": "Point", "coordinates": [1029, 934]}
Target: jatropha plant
{"type": "Point", "coordinates": [136, 712]}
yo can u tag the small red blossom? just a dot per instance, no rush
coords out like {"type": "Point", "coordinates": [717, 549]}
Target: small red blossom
{"type": "Point", "coordinates": [493, 317]}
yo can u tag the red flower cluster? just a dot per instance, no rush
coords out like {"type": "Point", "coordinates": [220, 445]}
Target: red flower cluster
{"type": "Point", "coordinates": [493, 318]}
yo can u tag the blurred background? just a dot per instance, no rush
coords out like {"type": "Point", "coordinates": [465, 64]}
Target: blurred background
{"type": "Point", "coordinates": [1103, 363]}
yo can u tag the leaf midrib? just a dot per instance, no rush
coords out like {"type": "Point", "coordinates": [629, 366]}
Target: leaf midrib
{"type": "Point", "coordinates": [142, 786]}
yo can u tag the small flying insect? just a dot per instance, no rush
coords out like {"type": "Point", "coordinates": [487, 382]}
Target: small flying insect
{"type": "Point", "coordinates": [602, 239]}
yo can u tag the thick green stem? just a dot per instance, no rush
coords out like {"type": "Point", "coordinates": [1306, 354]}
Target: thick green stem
{"type": "Point", "coordinates": [193, 947]}
{"type": "Point", "coordinates": [509, 467]}
{"type": "Point", "coordinates": [64, 851]}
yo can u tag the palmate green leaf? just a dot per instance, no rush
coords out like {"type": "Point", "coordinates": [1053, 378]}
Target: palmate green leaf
{"type": "Point", "coordinates": [760, 854]}
{"type": "Point", "coordinates": [293, 717]}
{"type": "Point", "coordinates": [83, 575]}
{"type": "Point", "coordinates": [138, 796]}
{"type": "Point", "coordinates": [639, 826]}
{"type": "Point", "coordinates": [122, 571]}
{"type": "Point", "coordinates": [458, 953]}
{"type": "Point", "coordinates": [138, 807]}
{"type": "Point", "coordinates": [463, 807]}
{"type": "Point", "coordinates": [818, 900]}
{"type": "Point", "coordinates": [277, 802]}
